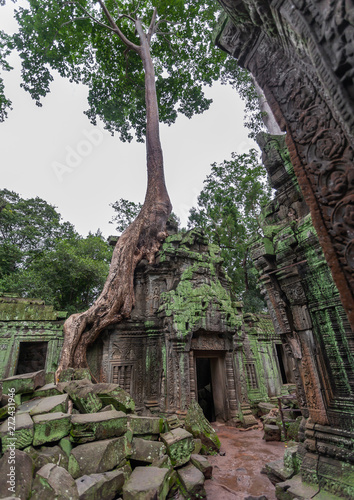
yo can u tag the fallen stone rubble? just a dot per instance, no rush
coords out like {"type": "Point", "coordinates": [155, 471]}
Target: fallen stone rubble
{"type": "Point", "coordinates": [83, 441]}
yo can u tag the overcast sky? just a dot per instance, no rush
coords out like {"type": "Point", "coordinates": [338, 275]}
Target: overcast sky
{"type": "Point", "coordinates": [55, 153]}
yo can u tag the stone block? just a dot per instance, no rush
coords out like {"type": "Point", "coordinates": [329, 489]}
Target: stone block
{"type": "Point", "coordinates": [179, 444]}
{"type": "Point", "coordinates": [197, 446]}
{"type": "Point", "coordinates": [52, 481]}
{"type": "Point", "coordinates": [50, 404]}
{"type": "Point", "coordinates": [126, 469]}
{"type": "Point", "coordinates": [92, 426]}
{"type": "Point", "coordinates": [17, 467]}
{"type": "Point", "coordinates": [47, 455]}
{"type": "Point", "coordinates": [277, 471]}
{"type": "Point", "coordinates": [265, 408]}
{"type": "Point", "coordinates": [146, 425]}
{"type": "Point", "coordinates": [50, 427]}
{"type": "Point", "coordinates": [163, 462]}
{"type": "Point", "coordinates": [191, 482]}
{"type": "Point", "coordinates": [105, 486]}
{"type": "Point", "coordinates": [203, 465]}
{"type": "Point", "coordinates": [22, 384]}
{"type": "Point", "coordinates": [47, 390]}
{"type": "Point", "coordinates": [147, 451]}
{"type": "Point", "coordinates": [74, 374]}
{"type": "Point", "coordinates": [82, 394]}
{"type": "Point", "coordinates": [114, 395]}
{"type": "Point", "coordinates": [272, 433]}
{"type": "Point", "coordinates": [196, 423]}
{"type": "Point", "coordinates": [147, 483]}
{"type": "Point", "coordinates": [66, 445]}
{"type": "Point", "coordinates": [98, 456]}
{"type": "Point", "coordinates": [21, 437]}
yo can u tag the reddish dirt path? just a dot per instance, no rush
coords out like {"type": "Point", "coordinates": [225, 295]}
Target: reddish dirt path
{"type": "Point", "coordinates": [237, 475]}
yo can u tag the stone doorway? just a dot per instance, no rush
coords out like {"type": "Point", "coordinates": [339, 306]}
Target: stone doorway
{"type": "Point", "coordinates": [32, 357]}
{"type": "Point", "coordinates": [286, 365]}
{"type": "Point", "coordinates": [211, 384]}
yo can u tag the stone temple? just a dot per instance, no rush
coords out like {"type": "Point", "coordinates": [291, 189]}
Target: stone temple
{"type": "Point", "coordinates": [187, 339]}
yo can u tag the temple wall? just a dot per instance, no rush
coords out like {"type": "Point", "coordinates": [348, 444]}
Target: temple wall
{"type": "Point", "coordinates": [309, 318]}
{"type": "Point", "coordinates": [187, 339]}
{"type": "Point", "coordinates": [301, 54]}
{"type": "Point", "coordinates": [29, 324]}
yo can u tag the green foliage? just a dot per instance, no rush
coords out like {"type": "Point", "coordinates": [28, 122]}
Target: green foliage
{"type": "Point", "coordinates": [228, 210]}
{"type": "Point", "coordinates": [73, 38]}
{"type": "Point", "coordinates": [27, 229]}
{"type": "Point", "coordinates": [126, 212]}
{"type": "Point", "coordinates": [5, 50]}
{"type": "Point", "coordinates": [240, 79]}
{"type": "Point", "coordinates": [43, 257]}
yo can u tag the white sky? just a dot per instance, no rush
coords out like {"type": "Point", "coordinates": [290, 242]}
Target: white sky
{"type": "Point", "coordinates": [49, 151]}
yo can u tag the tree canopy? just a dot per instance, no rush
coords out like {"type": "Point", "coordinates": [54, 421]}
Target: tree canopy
{"type": "Point", "coordinates": [74, 38]}
{"type": "Point", "coordinates": [41, 256]}
{"type": "Point", "coordinates": [228, 210]}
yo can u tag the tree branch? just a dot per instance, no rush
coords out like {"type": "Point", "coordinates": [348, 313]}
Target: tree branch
{"type": "Point", "coordinates": [90, 16]}
{"type": "Point", "coordinates": [117, 30]}
{"type": "Point", "coordinates": [151, 30]}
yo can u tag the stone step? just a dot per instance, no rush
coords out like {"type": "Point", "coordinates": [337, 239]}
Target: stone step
{"type": "Point", "coordinates": [294, 488]}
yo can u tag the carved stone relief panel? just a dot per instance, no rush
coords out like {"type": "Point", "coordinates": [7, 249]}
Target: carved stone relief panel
{"type": "Point", "coordinates": [306, 75]}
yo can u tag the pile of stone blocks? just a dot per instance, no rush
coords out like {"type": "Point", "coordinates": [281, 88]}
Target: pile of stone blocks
{"type": "Point", "coordinates": [78, 440]}
{"type": "Point", "coordinates": [280, 423]}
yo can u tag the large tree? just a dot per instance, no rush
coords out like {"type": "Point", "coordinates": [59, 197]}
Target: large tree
{"type": "Point", "coordinates": [132, 55]}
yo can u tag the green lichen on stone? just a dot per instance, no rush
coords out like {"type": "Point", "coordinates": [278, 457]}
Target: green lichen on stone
{"type": "Point", "coordinates": [189, 302]}
{"type": "Point", "coordinates": [196, 423]}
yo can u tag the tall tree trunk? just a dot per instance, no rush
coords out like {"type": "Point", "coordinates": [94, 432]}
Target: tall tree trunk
{"type": "Point", "coordinates": [140, 240]}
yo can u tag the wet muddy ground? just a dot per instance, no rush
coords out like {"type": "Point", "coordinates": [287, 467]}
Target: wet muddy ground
{"type": "Point", "coordinates": [237, 474]}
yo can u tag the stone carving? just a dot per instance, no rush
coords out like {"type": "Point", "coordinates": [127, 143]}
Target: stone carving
{"type": "Point", "coordinates": [305, 308]}
{"type": "Point", "coordinates": [310, 90]}
{"type": "Point", "coordinates": [185, 320]}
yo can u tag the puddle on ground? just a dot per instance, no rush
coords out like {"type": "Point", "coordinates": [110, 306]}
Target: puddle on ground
{"type": "Point", "coordinates": [237, 474]}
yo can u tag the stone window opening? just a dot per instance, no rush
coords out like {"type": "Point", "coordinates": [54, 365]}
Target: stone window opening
{"type": "Point", "coordinates": [32, 357]}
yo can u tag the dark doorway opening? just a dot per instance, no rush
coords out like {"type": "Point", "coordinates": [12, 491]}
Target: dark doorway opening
{"type": "Point", "coordinates": [280, 354]}
{"type": "Point", "coordinates": [32, 357]}
{"type": "Point", "coordinates": [205, 388]}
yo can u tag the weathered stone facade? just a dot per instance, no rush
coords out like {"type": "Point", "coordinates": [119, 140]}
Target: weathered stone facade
{"type": "Point", "coordinates": [301, 54]}
{"type": "Point", "coordinates": [270, 372]}
{"type": "Point", "coordinates": [31, 336]}
{"type": "Point", "coordinates": [186, 341]}
{"type": "Point", "coordinates": [307, 313]}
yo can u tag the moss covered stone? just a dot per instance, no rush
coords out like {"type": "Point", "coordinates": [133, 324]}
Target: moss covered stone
{"type": "Point", "coordinates": [180, 446]}
{"type": "Point", "coordinates": [21, 384]}
{"type": "Point", "coordinates": [50, 427]}
{"type": "Point", "coordinates": [85, 428]}
{"type": "Point", "coordinates": [21, 437]}
{"type": "Point", "coordinates": [196, 423]}
{"type": "Point", "coordinates": [98, 456]}
{"type": "Point", "coordinates": [147, 482]}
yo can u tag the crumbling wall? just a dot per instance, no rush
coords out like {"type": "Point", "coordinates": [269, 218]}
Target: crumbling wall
{"type": "Point", "coordinates": [25, 320]}
{"type": "Point", "coordinates": [308, 315]}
